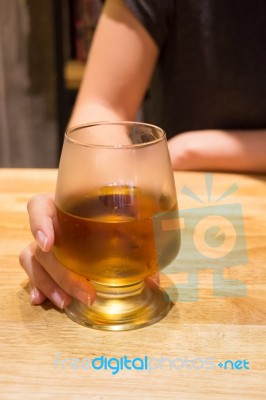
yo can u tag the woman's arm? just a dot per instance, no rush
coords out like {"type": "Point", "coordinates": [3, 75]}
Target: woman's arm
{"type": "Point", "coordinates": [119, 68]}
{"type": "Point", "coordinates": [118, 72]}
{"type": "Point", "coordinates": [236, 150]}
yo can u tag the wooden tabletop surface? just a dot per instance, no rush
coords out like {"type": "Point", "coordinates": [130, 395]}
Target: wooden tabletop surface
{"type": "Point", "coordinates": [212, 347]}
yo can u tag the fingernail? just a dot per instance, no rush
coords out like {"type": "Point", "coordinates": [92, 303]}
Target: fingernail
{"type": "Point", "coordinates": [58, 300]}
{"type": "Point", "coordinates": [83, 296]}
{"type": "Point", "coordinates": [42, 240]}
{"type": "Point", "coordinates": [154, 281]}
{"type": "Point", "coordinates": [33, 296]}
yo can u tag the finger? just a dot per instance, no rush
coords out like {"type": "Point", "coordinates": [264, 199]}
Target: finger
{"type": "Point", "coordinates": [75, 285]}
{"type": "Point", "coordinates": [42, 212]}
{"type": "Point", "coordinates": [154, 280]}
{"type": "Point", "coordinates": [36, 296]}
{"type": "Point", "coordinates": [40, 279]}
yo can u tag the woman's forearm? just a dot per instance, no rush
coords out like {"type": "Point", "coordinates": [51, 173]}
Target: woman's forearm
{"type": "Point", "coordinates": [236, 150]}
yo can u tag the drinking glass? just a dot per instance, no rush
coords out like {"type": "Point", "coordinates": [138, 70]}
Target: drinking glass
{"type": "Point", "coordinates": [114, 178]}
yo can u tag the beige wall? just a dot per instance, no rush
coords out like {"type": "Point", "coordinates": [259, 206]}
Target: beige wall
{"type": "Point", "coordinates": [28, 130]}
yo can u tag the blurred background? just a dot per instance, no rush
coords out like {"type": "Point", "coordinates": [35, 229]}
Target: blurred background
{"type": "Point", "coordinates": [43, 48]}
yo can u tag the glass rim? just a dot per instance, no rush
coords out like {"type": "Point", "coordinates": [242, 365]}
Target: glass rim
{"type": "Point", "coordinates": [119, 146]}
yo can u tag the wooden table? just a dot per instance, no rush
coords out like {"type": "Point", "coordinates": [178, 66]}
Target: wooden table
{"type": "Point", "coordinates": [219, 328]}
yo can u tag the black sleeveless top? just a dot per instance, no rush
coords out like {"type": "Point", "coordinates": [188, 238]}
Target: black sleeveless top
{"type": "Point", "coordinates": [212, 67]}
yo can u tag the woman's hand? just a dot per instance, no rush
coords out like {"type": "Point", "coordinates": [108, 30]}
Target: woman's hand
{"type": "Point", "coordinates": [48, 278]}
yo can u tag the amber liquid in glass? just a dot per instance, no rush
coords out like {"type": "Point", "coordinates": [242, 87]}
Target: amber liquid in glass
{"type": "Point", "coordinates": [108, 237]}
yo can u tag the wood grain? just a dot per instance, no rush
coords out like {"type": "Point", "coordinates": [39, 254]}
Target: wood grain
{"type": "Point", "coordinates": [220, 328]}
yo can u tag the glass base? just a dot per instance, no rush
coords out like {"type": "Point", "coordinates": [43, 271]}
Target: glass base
{"type": "Point", "coordinates": [121, 308]}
